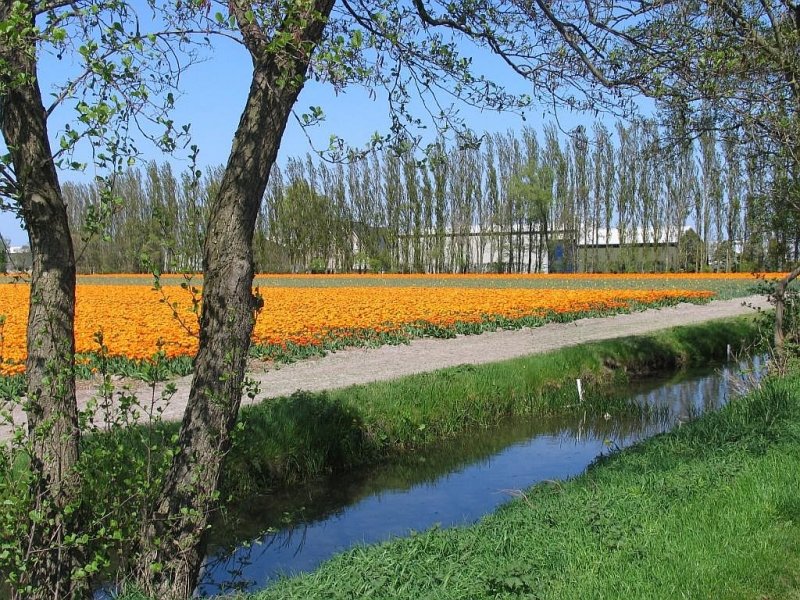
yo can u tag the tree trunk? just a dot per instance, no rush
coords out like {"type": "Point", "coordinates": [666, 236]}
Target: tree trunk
{"type": "Point", "coordinates": [779, 298]}
{"type": "Point", "coordinates": [546, 234]}
{"type": "Point", "coordinates": [52, 410]}
{"type": "Point", "coordinates": [530, 249]}
{"type": "Point", "coordinates": [174, 541]}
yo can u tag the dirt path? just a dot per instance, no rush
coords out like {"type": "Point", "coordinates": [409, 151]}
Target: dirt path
{"type": "Point", "coordinates": [365, 365]}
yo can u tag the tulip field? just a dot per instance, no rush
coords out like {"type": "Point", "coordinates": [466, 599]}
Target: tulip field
{"type": "Point", "coordinates": [303, 315]}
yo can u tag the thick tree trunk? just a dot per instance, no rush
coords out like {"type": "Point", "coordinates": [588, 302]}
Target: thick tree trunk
{"type": "Point", "coordinates": [52, 410]}
{"type": "Point", "coordinates": [174, 541]}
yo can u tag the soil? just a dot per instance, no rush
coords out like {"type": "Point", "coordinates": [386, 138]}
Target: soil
{"type": "Point", "coordinates": [364, 365]}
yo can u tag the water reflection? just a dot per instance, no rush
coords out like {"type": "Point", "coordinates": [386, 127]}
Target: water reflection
{"type": "Point", "coordinates": [456, 483]}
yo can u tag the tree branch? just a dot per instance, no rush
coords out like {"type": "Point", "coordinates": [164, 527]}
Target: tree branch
{"type": "Point", "coordinates": [253, 36]}
{"type": "Point", "coordinates": [45, 7]}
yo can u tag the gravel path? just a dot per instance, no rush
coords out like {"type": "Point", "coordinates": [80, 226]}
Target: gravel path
{"type": "Point", "coordinates": [365, 365]}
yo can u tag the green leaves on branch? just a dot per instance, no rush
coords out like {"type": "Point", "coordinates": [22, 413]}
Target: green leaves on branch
{"type": "Point", "coordinates": [17, 35]}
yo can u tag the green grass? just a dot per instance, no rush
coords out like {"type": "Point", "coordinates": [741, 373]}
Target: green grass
{"type": "Point", "coordinates": [708, 511]}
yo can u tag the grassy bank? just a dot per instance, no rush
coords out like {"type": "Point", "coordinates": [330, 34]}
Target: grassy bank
{"type": "Point", "coordinates": [708, 511]}
{"type": "Point", "coordinates": [305, 435]}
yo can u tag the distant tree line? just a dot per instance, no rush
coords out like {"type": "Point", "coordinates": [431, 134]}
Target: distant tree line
{"type": "Point", "coordinates": [626, 200]}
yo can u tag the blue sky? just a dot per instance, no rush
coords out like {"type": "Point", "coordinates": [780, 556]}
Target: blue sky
{"type": "Point", "coordinates": [213, 94]}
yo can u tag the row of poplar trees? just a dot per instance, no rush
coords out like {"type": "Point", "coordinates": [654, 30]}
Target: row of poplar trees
{"type": "Point", "coordinates": [621, 200]}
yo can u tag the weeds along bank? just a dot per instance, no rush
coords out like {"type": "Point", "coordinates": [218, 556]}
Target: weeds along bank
{"type": "Point", "coordinates": [709, 510]}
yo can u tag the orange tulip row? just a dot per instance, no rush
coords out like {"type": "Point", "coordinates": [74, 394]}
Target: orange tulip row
{"type": "Point", "coordinates": [134, 318]}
